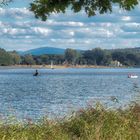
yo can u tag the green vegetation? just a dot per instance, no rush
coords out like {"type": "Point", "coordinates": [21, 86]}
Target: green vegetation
{"type": "Point", "coordinates": [5, 58]}
{"type": "Point", "coordinates": [44, 8]}
{"type": "Point", "coordinates": [97, 56]}
{"type": "Point", "coordinates": [86, 124]}
{"type": "Point", "coordinates": [71, 56]}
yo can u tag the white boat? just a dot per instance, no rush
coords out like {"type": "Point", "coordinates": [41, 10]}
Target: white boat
{"type": "Point", "coordinates": [132, 76]}
{"type": "Point", "coordinates": [52, 65]}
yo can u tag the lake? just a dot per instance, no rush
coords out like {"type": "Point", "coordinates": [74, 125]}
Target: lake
{"type": "Point", "coordinates": [58, 92]}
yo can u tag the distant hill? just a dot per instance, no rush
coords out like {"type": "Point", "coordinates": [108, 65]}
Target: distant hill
{"type": "Point", "coordinates": [60, 51]}
{"type": "Point", "coordinates": [129, 50]}
{"type": "Point", "coordinates": [43, 50]}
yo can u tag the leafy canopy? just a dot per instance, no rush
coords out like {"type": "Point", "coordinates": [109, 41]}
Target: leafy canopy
{"type": "Point", "coordinates": [4, 2]}
{"type": "Point", "coordinates": [44, 8]}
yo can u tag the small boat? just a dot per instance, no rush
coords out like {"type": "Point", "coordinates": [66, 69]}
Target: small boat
{"type": "Point", "coordinates": [132, 76]}
{"type": "Point", "coordinates": [52, 65]}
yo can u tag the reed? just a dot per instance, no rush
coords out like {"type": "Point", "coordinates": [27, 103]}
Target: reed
{"type": "Point", "coordinates": [86, 124]}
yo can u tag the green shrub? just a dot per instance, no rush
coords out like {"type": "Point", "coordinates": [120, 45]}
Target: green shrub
{"type": "Point", "coordinates": [85, 124]}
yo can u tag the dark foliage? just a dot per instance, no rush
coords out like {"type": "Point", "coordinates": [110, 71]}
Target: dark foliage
{"type": "Point", "coordinates": [97, 56]}
{"type": "Point", "coordinates": [44, 8]}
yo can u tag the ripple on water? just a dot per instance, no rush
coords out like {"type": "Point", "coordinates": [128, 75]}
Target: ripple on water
{"type": "Point", "coordinates": [57, 92]}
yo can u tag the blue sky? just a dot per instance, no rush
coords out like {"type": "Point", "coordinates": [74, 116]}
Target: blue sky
{"type": "Point", "coordinates": [19, 30]}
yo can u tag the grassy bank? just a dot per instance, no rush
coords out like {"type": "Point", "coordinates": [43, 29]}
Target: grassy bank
{"type": "Point", "coordinates": [89, 124]}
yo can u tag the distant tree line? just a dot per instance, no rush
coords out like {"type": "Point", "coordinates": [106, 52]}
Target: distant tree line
{"type": "Point", "coordinates": [97, 56]}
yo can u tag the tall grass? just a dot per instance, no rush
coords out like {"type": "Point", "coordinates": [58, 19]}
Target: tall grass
{"type": "Point", "coordinates": [86, 124]}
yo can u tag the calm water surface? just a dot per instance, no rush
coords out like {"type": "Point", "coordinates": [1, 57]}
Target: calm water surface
{"type": "Point", "coordinates": [59, 91]}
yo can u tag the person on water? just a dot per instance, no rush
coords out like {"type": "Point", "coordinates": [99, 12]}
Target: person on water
{"type": "Point", "coordinates": [36, 73]}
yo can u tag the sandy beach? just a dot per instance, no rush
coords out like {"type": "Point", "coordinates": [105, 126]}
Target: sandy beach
{"type": "Point", "coordinates": [54, 66]}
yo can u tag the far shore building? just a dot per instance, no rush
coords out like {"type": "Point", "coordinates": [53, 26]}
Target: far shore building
{"type": "Point", "coordinates": [115, 64]}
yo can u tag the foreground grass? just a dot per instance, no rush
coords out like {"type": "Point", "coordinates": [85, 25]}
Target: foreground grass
{"type": "Point", "coordinates": [89, 124]}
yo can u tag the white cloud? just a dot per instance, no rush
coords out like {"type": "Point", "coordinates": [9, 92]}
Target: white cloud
{"type": "Point", "coordinates": [13, 31]}
{"type": "Point", "coordinates": [20, 30]}
{"type": "Point", "coordinates": [72, 33]}
{"type": "Point", "coordinates": [42, 31]}
{"type": "Point", "coordinates": [16, 13]}
{"type": "Point", "coordinates": [126, 18]}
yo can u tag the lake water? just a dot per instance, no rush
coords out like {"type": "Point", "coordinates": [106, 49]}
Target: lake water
{"type": "Point", "coordinates": [59, 91]}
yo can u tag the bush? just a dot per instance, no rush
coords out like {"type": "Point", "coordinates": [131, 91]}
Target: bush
{"type": "Point", "coordinates": [85, 124]}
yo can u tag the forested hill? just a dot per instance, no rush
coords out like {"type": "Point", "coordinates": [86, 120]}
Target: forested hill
{"type": "Point", "coordinates": [97, 56]}
{"type": "Point", "coordinates": [44, 50]}
{"type": "Point", "coordinates": [130, 50]}
{"type": "Point", "coordinates": [60, 51]}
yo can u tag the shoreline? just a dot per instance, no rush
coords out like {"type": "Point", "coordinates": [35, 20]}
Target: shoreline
{"type": "Point", "coordinates": [57, 66]}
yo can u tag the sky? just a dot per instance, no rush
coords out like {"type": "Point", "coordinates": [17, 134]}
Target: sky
{"type": "Point", "coordinates": [19, 30]}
